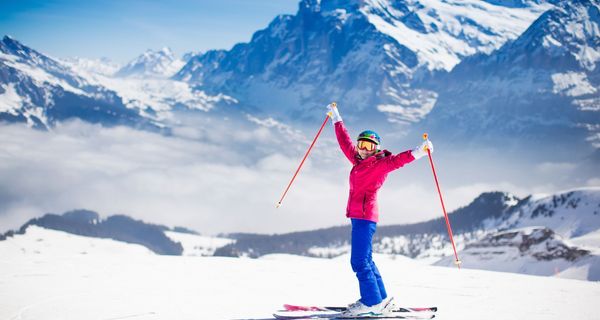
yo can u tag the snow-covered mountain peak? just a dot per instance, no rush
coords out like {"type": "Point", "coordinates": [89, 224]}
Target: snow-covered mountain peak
{"type": "Point", "coordinates": [442, 33]}
{"type": "Point", "coordinates": [158, 64]}
{"type": "Point", "coordinates": [504, 198]}
{"type": "Point", "coordinates": [43, 91]}
{"type": "Point", "coordinates": [570, 213]}
{"type": "Point", "coordinates": [16, 52]}
{"type": "Point", "coordinates": [167, 52]}
{"type": "Point", "coordinates": [9, 44]}
{"type": "Point", "coordinates": [544, 83]}
{"type": "Point", "coordinates": [569, 34]}
{"type": "Point", "coordinates": [364, 53]}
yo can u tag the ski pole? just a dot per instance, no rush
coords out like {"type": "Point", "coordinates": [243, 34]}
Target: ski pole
{"type": "Point", "coordinates": [457, 261]}
{"type": "Point", "coordinates": [305, 156]}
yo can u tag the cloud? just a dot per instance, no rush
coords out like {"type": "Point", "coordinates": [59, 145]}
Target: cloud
{"type": "Point", "coordinates": [170, 180]}
{"type": "Point", "coordinates": [229, 184]}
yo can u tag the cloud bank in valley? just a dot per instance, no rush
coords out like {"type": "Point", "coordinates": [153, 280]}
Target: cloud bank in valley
{"type": "Point", "coordinates": [229, 184]}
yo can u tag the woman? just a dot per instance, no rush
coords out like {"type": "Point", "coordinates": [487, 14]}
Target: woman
{"type": "Point", "coordinates": [370, 167]}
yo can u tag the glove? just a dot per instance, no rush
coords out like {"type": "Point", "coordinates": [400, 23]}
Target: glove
{"type": "Point", "coordinates": [421, 150]}
{"type": "Point", "coordinates": [333, 112]}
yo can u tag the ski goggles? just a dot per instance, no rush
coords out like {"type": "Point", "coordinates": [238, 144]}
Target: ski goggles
{"type": "Point", "coordinates": [366, 145]}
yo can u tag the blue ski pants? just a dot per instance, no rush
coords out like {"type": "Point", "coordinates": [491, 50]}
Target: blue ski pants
{"type": "Point", "coordinates": [372, 290]}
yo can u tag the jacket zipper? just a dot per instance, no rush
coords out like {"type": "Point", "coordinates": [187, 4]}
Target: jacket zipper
{"type": "Point", "coordinates": [364, 212]}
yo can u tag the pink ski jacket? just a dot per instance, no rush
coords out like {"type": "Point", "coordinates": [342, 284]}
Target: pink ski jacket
{"type": "Point", "coordinates": [367, 175]}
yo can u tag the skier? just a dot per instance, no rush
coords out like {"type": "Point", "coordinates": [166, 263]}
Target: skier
{"type": "Point", "coordinates": [370, 167]}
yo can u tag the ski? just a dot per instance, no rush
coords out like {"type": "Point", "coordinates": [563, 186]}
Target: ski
{"type": "Point", "coordinates": [290, 307]}
{"type": "Point", "coordinates": [328, 314]}
{"type": "Point", "coordinates": [316, 312]}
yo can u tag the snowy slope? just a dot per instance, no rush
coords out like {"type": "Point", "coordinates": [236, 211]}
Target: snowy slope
{"type": "Point", "coordinates": [85, 223]}
{"type": "Point", "coordinates": [591, 239]}
{"type": "Point", "coordinates": [65, 284]}
{"type": "Point", "coordinates": [38, 241]}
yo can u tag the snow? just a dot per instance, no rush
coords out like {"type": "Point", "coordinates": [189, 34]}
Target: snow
{"type": "Point", "coordinates": [583, 28]}
{"type": "Point", "coordinates": [10, 101]}
{"type": "Point", "coordinates": [590, 240]}
{"type": "Point", "coordinates": [572, 84]}
{"type": "Point", "coordinates": [156, 94]}
{"type": "Point", "coordinates": [150, 91]}
{"type": "Point", "coordinates": [197, 245]}
{"type": "Point", "coordinates": [98, 66]}
{"type": "Point", "coordinates": [41, 242]}
{"type": "Point", "coordinates": [531, 250]}
{"type": "Point", "coordinates": [328, 252]}
{"type": "Point", "coordinates": [46, 276]}
{"type": "Point", "coordinates": [153, 64]}
{"type": "Point", "coordinates": [427, 49]}
{"type": "Point", "coordinates": [39, 75]}
{"type": "Point", "coordinates": [570, 213]}
{"type": "Point", "coordinates": [35, 112]}
{"type": "Point", "coordinates": [463, 27]}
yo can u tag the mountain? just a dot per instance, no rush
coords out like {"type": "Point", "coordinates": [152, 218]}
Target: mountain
{"type": "Point", "coordinates": [568, 220]}
{"type": "Point", "coordinates": [530, 250]}
{"type": "Point", "coordinates": [40, 91]}
{"type": "Point", "coordinates": [416, 239]}
{"type": "Point", "coordinates": [500, 71]}
{"type": "Point", "coordinates": [118, 227]}
{"type": "Point", "coordinates": [541, 235]}
{"type": "Point", "coordinates": [41, 241]}
{"type": "Point", "coordinates": [156, 238]}
{"type": "Point", "coordinates": [541, 87]}
{"type": "Point", "coordinates": [364, 54]}
{"type": "Point", "coordinates": [154, 64]}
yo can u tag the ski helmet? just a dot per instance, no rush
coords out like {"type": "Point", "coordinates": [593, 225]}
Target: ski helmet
{"type": "Point", "coordinates": [370, 136]}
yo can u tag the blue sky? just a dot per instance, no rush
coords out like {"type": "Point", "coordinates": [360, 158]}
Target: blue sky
{"type": "Point", "coordinates": [122, 29]}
